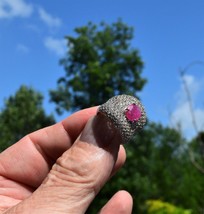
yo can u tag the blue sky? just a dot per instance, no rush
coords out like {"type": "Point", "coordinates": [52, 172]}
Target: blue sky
{"type": "Point", "coordinates": [169, 35]}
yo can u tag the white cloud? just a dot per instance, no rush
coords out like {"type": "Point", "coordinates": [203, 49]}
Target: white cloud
{"type": "Point", "coordinates": [22, 48]}
{"type": "Point", "coordinates": [14, 8]}
{"type": "Point", "coordinates": [58, 46]}
{"type": "Point", "coordinates": [182, 114]}
{"type": "Point", "coordinates": [193, 86]}
{"type": "Point", "coordinates": [49, 19]}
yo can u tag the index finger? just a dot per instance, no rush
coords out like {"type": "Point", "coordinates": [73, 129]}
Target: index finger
{"type": "Point", "coordinates": [29, 160]}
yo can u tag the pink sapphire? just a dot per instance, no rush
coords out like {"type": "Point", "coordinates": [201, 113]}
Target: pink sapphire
{"type": "Point", "coordinates": [133, 112]}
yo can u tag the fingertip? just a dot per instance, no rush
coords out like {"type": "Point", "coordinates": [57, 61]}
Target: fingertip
{"type": "Point", "coordinates": [126, 197]}
{"type": "Point", "coordinates": [121, 202]}
{"type": "Point", "coordinates": [127, 201]}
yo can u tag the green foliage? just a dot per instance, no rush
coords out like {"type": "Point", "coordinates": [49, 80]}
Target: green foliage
{"type": "Point", "coordinates": [160, 207]}
{"type": "Point", "coordinates": [100, 63]}
{"type": "Point", "coordinates": [22, 114]}
{"type": "Point", "coordinates": [197, 147]}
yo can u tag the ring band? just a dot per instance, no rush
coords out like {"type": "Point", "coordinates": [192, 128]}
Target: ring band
{"type": "Point", "coordinates": [126, 113]}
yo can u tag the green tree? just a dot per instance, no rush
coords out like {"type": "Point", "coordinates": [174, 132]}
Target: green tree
{"type": "Point", "coordinates": [197, 148]}
{"type": "Point", "coordinates": [22, 114]}
{"type": "Point", "coordinates": [99, 64]}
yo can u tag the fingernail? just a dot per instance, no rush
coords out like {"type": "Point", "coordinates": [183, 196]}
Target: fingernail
{"type": "Point", "coordinates": [100, 131]}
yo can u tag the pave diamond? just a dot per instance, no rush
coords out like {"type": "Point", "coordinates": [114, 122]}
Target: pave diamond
{"type": "Point", "coordinates": [126, 113]}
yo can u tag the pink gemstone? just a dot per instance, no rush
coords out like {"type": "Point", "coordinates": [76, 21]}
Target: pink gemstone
{"type": "Point", "coordinates": [133, 113]}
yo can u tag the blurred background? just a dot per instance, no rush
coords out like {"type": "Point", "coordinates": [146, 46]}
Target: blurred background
{"type": "Point", "coordinates": [59, 57]}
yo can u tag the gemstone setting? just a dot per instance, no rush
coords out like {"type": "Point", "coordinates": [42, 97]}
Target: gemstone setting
{"type": "Point", "coordinates": [133, 113]}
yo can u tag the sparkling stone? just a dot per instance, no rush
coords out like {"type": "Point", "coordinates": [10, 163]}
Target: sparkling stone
{"type": "Point", "coordinates": [133, 112]}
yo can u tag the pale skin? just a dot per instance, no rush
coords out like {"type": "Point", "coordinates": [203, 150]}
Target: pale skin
{"type": "Point", "coordinates": [53, 170]}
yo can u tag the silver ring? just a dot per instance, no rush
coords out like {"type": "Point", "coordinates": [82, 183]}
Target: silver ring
{"type": "Point", "coordinates": [126, 113]}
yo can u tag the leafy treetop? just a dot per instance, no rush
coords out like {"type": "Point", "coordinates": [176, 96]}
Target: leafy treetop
{"type": "Point", "coordinates": [99, 64]}
{"type": "Point", "coordinates": [22, 114]}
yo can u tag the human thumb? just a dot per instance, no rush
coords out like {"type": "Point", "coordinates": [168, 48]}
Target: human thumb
{"type": "Point", "coordinates": [79, 174]}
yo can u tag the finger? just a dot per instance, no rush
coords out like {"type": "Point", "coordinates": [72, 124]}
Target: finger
{"type": "Point", "coordinates": [120, 160]}
{"type": "Point", "coordinates": [29, 160]}
{"type": "Point", "coordinates": [121, 202]}
{"type": "Point", "coordinates": [80, 172]}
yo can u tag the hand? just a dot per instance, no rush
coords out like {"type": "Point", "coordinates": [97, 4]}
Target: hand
{"type": "Point", "coordinates": [58, 170]}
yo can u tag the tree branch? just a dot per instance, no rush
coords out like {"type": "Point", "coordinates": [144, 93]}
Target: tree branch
{"type": "Point", "coordinates": [192, 113]}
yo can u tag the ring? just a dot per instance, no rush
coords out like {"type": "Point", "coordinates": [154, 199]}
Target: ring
{"type": "Point", "coordinates": [126, 113]}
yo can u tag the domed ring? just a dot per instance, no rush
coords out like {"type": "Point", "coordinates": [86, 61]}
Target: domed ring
{"type": "Point", "coordinates": [126, 113]}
